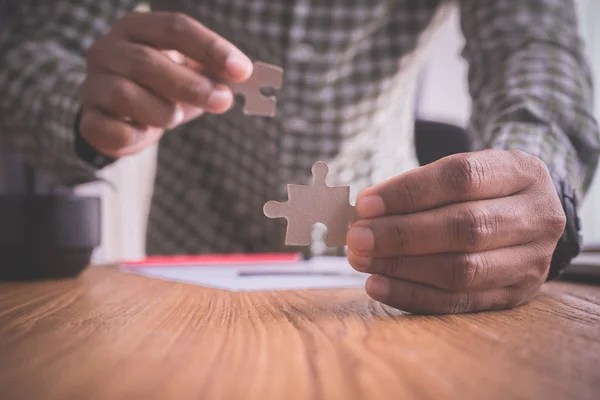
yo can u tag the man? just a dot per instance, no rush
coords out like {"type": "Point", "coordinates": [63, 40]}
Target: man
{"type": "Point", "coordinates": [470, 232]}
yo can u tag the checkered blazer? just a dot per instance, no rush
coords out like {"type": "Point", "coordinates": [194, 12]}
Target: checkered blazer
{"type": "Point", "coordinates": [350, 71]}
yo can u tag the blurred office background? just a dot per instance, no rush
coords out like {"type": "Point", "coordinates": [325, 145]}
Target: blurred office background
{"type": "Point", "coordinates": [443, 97]}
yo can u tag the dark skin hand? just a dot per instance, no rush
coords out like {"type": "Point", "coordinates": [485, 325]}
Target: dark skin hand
{"type": "Point", "coordinates": [470, 232]}
{"type": "Point", "coordinates": [152, 72]}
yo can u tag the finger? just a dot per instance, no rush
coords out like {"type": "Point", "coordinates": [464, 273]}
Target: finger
{"type": "Point", "coordinates": [109, 135]}
{"type": "Point", "coordinates": [461, 272]}
{"type": "Point", "coordinates": [465, 227]}
{"type": "Point", "coordinates": [148, 137]}
{"type": "Point", "coordinates": [157, 72]}
{"type": "Point", "coordinates": [422, 299]}
{"type": "Point", "coordinates": [457, 178]}
{"type": "Point", "coordinates": [176, 31]}
{"type": "Point", "coordinates": [123, 98]}
{"type": "Point", "coordinates": [180, 59]}
{"type": "Point", "coordinates": [190, 112]}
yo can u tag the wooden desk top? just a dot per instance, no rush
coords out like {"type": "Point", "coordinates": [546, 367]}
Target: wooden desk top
{"type": "Point", "coordinates": [109, 335]}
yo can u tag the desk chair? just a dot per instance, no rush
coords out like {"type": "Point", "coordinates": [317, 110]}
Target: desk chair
{"type": "Point", "coordinates": [435, 140]}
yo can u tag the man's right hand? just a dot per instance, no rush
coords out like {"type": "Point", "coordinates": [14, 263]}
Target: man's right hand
{"type": "Point", "coordinates": [146, 76]}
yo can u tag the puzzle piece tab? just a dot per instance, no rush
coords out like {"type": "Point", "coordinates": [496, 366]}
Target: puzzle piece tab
{"type": "Point", "coordinates": [263, 76]}
{"type": "Point", "coordinates": [318, 203]}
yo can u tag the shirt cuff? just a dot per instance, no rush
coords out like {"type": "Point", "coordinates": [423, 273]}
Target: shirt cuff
{"type": "Point", "coordinates": [546, 143]}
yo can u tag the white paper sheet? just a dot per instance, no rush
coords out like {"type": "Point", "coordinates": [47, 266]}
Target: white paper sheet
{"type": "Point", "coordinates": [317, 273]}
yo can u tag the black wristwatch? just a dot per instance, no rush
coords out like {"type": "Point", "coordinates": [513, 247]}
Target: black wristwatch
{"type": "Point", "coordinates": [86, 152]}
{"type": "Point", "coordinates": [569, 245]}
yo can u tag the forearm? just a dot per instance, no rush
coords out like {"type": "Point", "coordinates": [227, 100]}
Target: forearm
{"type": "Point", "coordinates": [531, 86]}
{"type": "Point", "coordinates": [547, 113]}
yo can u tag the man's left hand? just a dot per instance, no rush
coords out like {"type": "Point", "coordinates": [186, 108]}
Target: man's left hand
{"type": "Point", "coordinates": [470, 232]}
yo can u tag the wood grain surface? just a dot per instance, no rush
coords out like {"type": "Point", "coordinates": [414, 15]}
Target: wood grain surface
{"type": "Point", "coordinates": [110, 335]}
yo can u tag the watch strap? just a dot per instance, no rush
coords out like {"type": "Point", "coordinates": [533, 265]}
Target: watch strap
{"type": "Point", "coordinates": [569, 244]}
{"type": "Point", "coordinates": [86, 151]}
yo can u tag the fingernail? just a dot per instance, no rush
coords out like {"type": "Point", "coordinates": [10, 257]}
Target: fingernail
{"type": "Point", "coordinates": [177, 117]}
{"type": "Point", "coordinates": [360, 239]}
{"type": "Point", "coordinates": [370, 207]}
{"type": "Point", "coordinates": [220, 99]}
{"type": "Point", "coordinates": [378, 287]}
{"type": "Point", "coordinates": [359, 263]}
{"type": "Point", "coordinates": [238, 65]}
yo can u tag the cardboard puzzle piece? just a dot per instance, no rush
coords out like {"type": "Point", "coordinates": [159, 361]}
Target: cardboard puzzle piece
{"type": "Point", "coordinates": [318, 203]}
{"type": "Point", "coordinates": [263, 76]}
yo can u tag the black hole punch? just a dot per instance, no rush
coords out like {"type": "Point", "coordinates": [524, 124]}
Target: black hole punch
{"type": "Point", "coordinates": [47, 236]}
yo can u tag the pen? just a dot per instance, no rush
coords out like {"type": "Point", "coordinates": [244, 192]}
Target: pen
{"type": "Point", "coordinates": [289, 272]}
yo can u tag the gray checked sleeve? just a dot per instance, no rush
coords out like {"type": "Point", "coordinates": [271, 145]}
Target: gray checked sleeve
{"type": "Point", "coordinates": [531, 85]}
{"type": "Point", "coordinates": [42, 68]}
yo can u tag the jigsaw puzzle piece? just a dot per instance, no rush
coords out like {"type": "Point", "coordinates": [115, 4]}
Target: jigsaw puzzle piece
{"type": "Point", "coordinates": [317, 203]}
{"type": "Point", "coordinates": [275, 209]}
{"type": "Point", "coordinates": [337, 227]}
{"type": "Point", "coordinates": [319, 172]}
{"type": "Point", "coordinates": [297, 230]}
{"type": "Point", "coordinates": [263, 76]}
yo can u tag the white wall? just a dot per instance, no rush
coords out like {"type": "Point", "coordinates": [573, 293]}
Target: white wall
{"type": "Point", "coordinates": [444, 95]}
{"type": "Point", "coordinates": [124, 211]}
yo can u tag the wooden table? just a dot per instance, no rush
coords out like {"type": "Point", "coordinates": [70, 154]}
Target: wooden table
{"type": "Point", "coordinates": [109, 335]}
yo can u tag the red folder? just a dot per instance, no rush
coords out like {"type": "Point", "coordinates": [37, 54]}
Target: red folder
{"type": "Point", "coordinates": [215, 259]}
